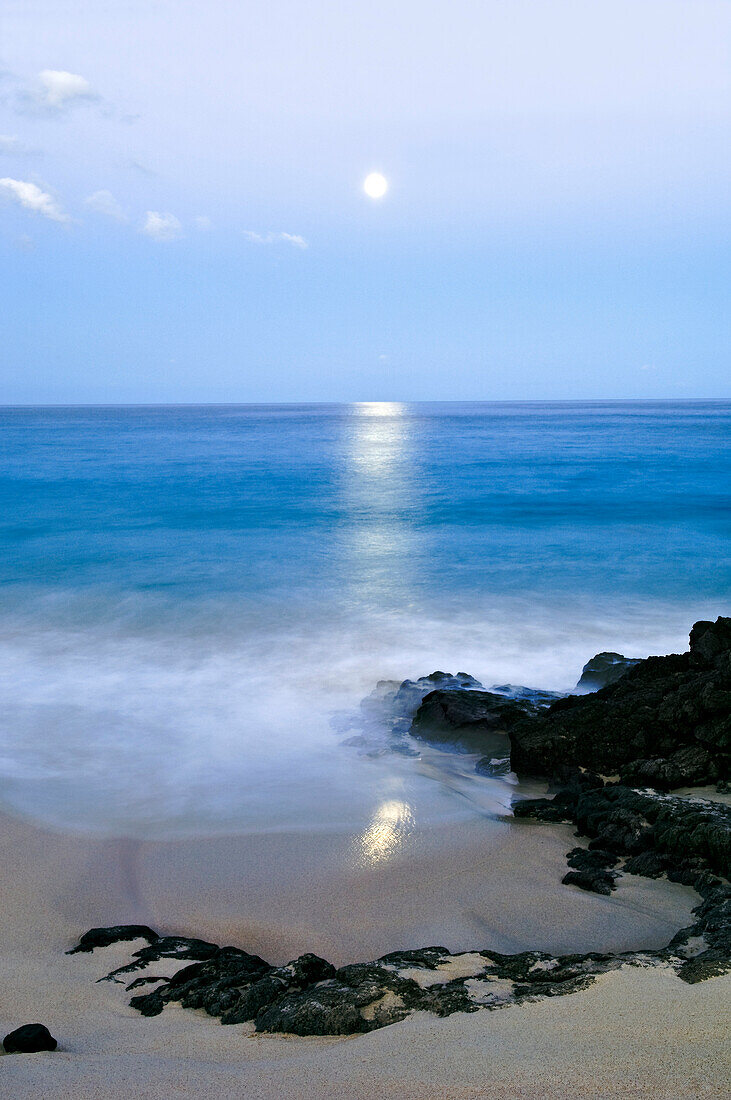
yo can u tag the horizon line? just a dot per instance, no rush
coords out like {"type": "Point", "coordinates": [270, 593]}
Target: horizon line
{"type": "Point", "coordinates": [362, 401]}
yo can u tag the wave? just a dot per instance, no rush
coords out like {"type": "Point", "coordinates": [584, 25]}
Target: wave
{"type": "Point", "coordinates": [141, 714]}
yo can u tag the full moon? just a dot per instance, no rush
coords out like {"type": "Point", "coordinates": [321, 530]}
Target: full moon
{"type": "Point", "coordinates": [375, 185]}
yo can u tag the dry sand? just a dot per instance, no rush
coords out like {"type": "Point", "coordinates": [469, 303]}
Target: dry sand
{"type": "Point", "coordinates": [633, 1033]}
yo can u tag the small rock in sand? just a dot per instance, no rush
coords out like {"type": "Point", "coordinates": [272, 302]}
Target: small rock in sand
{"type": "Point", "coordinates": [28, 1039]}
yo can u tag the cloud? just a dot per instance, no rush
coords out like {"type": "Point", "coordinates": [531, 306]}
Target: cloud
{"type": "Point", "coordinates": [138, 166]}
{"type": "Point", "coordinates": [30, 196]}
{"type": "Point", "coordinates": [161, 227]}
{"type": "Point", "coordinates": [294, 239]}
{"type": "Point", "coordinates": [13, 146]}
{"type": "Point", "coordinates": [202, 222]}
{"type": "Point", "coordinates": [57, 90]}
{"type": "Point", "coordinates": [105, 203]}
{"type": "Point", "coordinates": [273, 238]}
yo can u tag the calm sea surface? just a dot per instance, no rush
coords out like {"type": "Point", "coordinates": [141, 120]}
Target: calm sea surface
{"type": "Point", "coordinates": [195, 599]}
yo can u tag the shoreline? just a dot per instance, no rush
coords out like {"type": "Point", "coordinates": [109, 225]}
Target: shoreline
{"type": "Point", "coordinates": [633, 1032]}
{"type": "Point", "coordinates": [645, 942]}
{"type": "Point", "coordinates": [464, 886]}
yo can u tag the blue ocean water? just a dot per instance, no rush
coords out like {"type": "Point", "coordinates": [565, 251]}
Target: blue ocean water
{"type": "Point", "coordinates": [191, 594]}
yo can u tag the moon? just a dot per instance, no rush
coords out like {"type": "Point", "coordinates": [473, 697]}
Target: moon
{"type": "Point", "coordinates": [375, 185]}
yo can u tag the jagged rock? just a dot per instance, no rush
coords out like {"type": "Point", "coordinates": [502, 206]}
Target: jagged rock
{"type": "Point", "coordinates": [167, 947]}
{"type": "Point", "coordinates": [588, 859]}
{"type": "Point", "coordinates": [658, 711]}
{"type": "Point", "coordinates": [603, 669]}
{"type": "Point", "coordinates": [556, 810]}
{"type": "Point", "coordinates": [103, 937]}
{"type": "Point", "coordinates": [410, 693]}
{"type": "Point", "coordinates": [385, 715]}
{"type": "Point", "coordinates": [306, 971]}
{"type": "Point", "coordinates": [562, 807]}
{"type": "Point", "coordinates": [679, 828]}
{"type": "Point", "coordinates": [685, 768]}
{"type": "Point", "coordinates": [590, 870]}
{"type": "Point", "coordinates": [234, 985]}
{"type": "Point", "coordinates": [310, 997]}
{"type": "Point", "coordinates": [689, 839]}
{"type": "Point", "coordinates": [334, 1009]}
{"type": "Point", "coordinates": [406, 709]}
{"type": "Point", "coordinates": [527, 695]}
{"type": "Point", "coordinates": [144, 980]}
{"type": "Point", "coordinates": [391, 700]}
{"type": "Point", "coordinates": [471, 720]}
{"type": "Point", "coordinates": [29, 1039]}
{"type": "Point", "coordinates": [592, 879]}
{"type": "Point", "coordinates": [360, 997]}
{"type": "Point", "coordinates": [709, 640]}
{"type": "Point", "coordinates": [706, 945]}
{"type": "Point", "coordinates": [648, 864]}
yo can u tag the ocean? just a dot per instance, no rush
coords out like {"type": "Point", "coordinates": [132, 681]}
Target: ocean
{"type": "Point", "coordinates": [195, 600]}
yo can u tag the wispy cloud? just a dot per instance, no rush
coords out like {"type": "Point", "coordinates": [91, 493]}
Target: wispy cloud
{"type": "Point", "coordinates": [274, 238]}
{"type": "Point", "coordinates": [161, 227]}
{"type": "Point", "coordinates": [10, 145]}
{"type": "Point", "coordinates": [56, 90]}
{"type": "Point", "coordinates": [105, 203]}
{"type": "Point", "coordinates": [31, 197]}
{"type": "Point", "coordinates": [294, 239]}
{"type": "Point", "coordinates": [143, 169]}
{"type": "Point", "coordinates": [202, 222]}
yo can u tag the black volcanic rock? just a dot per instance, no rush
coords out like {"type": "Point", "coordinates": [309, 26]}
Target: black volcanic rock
{"type": "Point", "coordinates": [310, 997]}
{"type": "Point", "coordinates": [525, 694]}
{"type": "Point", "coordinates": [385, 715]}
{"type": "Point", "coordinates": [593, 879]}
{"type": "Point", "coordinates": [410, 693]}
{"type": "Point", "coordinates": [233, 984]}
{"type": "Point", "coordinates": [649, 864]}
{"type": "Point", "coordinates": [468, 719]}
{"type": "Point", "coordinates": [393, 701]}
{"type": "Point", "coordinates": [185, 948]}
{"type": "Point", "coordinates": [103, 937]}
{"type": "Point", "coordinates": [690, 838]}
{"type": "Point", "coordinates": [706, 945]}
{"type": "Point", "coordinates": [603, 669]}
{"type": "Point", "coordinates": [588, 859]}
{"type": "Point", "coordinates": [687, 767]}
{"type": "Point", "coordinates": [29, 1039]}
{"type": "Point", "coordinates": [667, 719]}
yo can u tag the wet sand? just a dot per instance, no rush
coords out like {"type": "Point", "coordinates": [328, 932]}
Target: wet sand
{"type": "Point", "coordinates": [634, 1033]}
{"type": "Point", "coordinates": [463, 885]}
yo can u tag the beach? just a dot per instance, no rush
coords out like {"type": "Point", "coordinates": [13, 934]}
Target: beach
{"type": "Point", "coordinates": [634, 1032]}
{"type": "Point", "coordinates": [207, 618]}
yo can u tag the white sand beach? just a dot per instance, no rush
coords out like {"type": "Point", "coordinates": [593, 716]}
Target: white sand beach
{"type": "Point", "coordinates": [635, 1032]}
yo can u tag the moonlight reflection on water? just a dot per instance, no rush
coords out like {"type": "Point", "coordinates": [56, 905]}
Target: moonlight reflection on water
{"type": "Point", "coordinates": [390, 826]}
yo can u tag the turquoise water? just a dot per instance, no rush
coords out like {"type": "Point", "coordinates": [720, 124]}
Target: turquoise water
{"type": "Point", "coordinates": [190, 595]}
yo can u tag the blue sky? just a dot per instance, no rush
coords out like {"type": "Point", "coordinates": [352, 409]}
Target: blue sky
{"type": "Point", "coordinates": [182, 215]}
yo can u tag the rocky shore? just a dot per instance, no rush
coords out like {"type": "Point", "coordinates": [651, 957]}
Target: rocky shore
{"type": "Point", "coordinates": [612, 758]}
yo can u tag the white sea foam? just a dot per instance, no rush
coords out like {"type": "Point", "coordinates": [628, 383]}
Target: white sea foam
{"type": "Point", "coordinates": [146, 716]}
